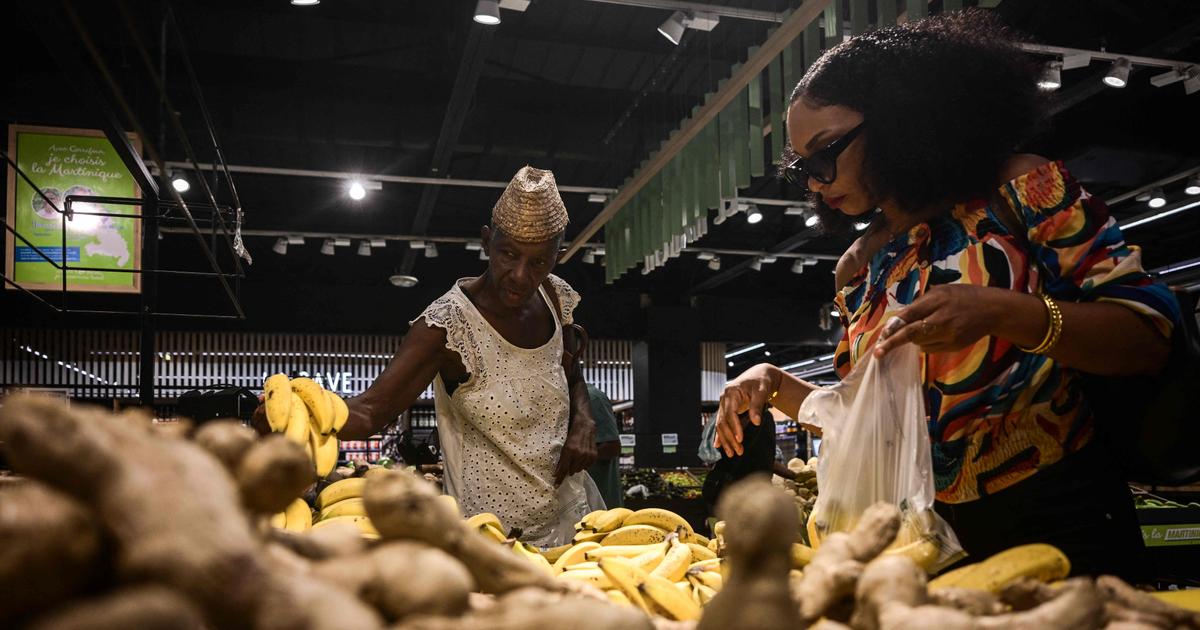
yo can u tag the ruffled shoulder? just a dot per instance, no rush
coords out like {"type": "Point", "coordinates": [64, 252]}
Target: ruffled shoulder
{"type": "Point", "coordinates": [568, 298]}
{"type": "Point", "coordinates": [451, 314]}
{"type": "Point", "coordinates": [1044, 191]}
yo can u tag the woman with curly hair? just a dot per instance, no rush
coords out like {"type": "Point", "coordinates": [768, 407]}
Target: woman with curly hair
{"type": "Point", "coordinates": [1010, 278]}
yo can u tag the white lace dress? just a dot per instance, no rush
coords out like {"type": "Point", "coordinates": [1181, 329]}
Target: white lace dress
{"type": "Point", "coordinates": [503, 429]}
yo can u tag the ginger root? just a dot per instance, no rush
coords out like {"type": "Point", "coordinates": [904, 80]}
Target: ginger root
{"type": "Point", "coordinates": [272, 473]}
{"type": "Point", "coordinates": [1116, 590]}
{"type": "Point", "coordinates": [526, 608]}
{"type": "Point", "coordinates": [142, 607]}
{"type": "Point", "coordinates": [837, 564]}
{"type": "Point", "coordinates": [760, 524]}
{"type": "Point", "coordinates": [404, 506]}
{"type": "Point", "coordinates": [403, 579]}
{"type": "Point", "coordinates": [227, 440]}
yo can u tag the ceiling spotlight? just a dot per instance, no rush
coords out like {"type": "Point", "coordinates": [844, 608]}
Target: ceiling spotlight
{"type": "Point", "coordinates": [798, 266]}
{"type": "Point", "coordinates": [364, 249]}
{"type": "Point", "coordinates": [357, 191]}
{"type": "Point", "coordinates": [673, 27]}
{"type": "Point", "coordinates": [808, 262]}
{"type": "Point", "coordinates": [766, 353]}
{"type": "Point", "coordinates": [861, 225]}
{"type": "Point", "coordinates": [796, 211]}
{"type": "Point", "coordinates": [1073, 61]}
{"type": "Point", "coordinates": [834, 312]}
{"type": "Point", "coordinates": [589, 257]}
{"type": "Point", "coordinates": [597, 198]}
{"type": "Point", "coordinates": [1193, 185]}
{"type": "Point", "coordinates": [756, 264]}
{"type": "Point", "coordinates": [305, 3]}
{"type": "Point", "coordinates": [341, 241]}
{"type": "Point", "coordinates": [280, 246]}
{"type": "Point", "coordinates": [730, 363]}
{"type": "Point", "coordinates": [1157, 198]}
{"type": "Point", "coordinates": [431, 250]}
{"type": "Point", "coordinates": [417, 244]}
{"type": "Point", "coordinates": [295, 240]}
{"type": "Point", "coordinates": [812, 220]}
{"type": "Point", "coordinates": [705, 256]}
{"type": "Point", "coordinates": [715, 264]}
{"type": "Point", "coordinates": [753, 215]}
{"type": "Point", "coordinates": [1051, 76]}
{"type": "Point", "coordinates": [180, 183]}
{"type": "Point", "coordinates": [378, 242]}
{"type": "Point", "coordinates": [403, 281]}
{"type": "Point", "coordinates": [768, 259]}
{"type": "Point", "coordinates": [487, 12]}
{"type": "Point", "coordinates": [474, 246]}
{"type": "Point", "coordinates": [327, 247]}
{"type": "Point", "coordinates": [483, 255]}
{"type": "Point", "coordinates": [1118, 74]}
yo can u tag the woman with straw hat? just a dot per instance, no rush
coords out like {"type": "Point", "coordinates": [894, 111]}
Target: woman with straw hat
{"type": "Point", "coordinates": [515, 425]}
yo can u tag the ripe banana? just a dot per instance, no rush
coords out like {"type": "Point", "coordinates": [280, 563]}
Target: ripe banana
{"type": "Point", "coordinates": [700, 539]}
{"type": "Point", "coordinates": [611, 519]}
{"type": "Point", "coordinates": [617, 597]}
{"type": "Point", "coordinates": [588, 521]}
{"type": "Point", "coordinates": [574, 555]}
{"type": "Point", "coordinates": [924, 552]}
{"type": "Point", "coordinates": [362, 522]}
{"type": "Point", "coordinates": [531, 554]}
{"type": "Point", "coordinates": [650, 560]}
{"type": "Point", "coordinates": [279, 521]}
{"type": "Point", "coordinates": [626, 577]}
{"type": "Point", "coordinates": [485, 518]}
{"type": "Point", "coordinates": [277, 398]}
{"type": "Point", "coordinates": [635, 535]}
{"type": "Point", "coordinates": [595, 577]}
{"type": "Point", "coordinates": [444, 498]}
{"type": "Point", "coordinates": [801, 555]}
{"type": "Point", "coordinates": [1039, 561]}
{"type": "Point", "coordinates": [325, 454]}
{"type": "Point", "coordinates": [341, 413]}
{"type": "Point", "coordinates": [554, 553]}
{"type": "Point", "coordinates": [706, 565]}
{"type": "Point", "coordinates": [667, 597]}
{"type": "Point", "coordinates": [952, 578]}
{"type": "Point", "coordinates": [1189, 598]}
{"type": "Point", "coordinates": [711, 579]}
{"type": "Point", "coordinates": [700, 552]}
{"type": "Point", "coordinates": [623, 551]}
{"type": "Point", "coordinates": [663, 519]}
{"type": "Point", "coordinates": [491, 531]}
{"type": "Point", "coordinates": [318, 404]}
{"type": "Point", "coordinates": [298, 516]}
{"type": "Point", "coordinates": [297, 424]}
{"type": "Point", "coordinates": [704, 593]}
{"type": "Point", "coordinates": [340, 490]}
{"type": "Point", "coordinates": [588, 535]}
{"type": "Point", "coordinates": [348, 507]}
{"type": "Point", "coordinates": [583, 565]}
{"type": "Point", "coordinates": [675, 563]}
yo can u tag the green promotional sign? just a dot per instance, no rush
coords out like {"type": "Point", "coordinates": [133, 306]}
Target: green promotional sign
{"type": "Point", "coordinates": [1171, 535]}
{"type": "Point", "coordinates": [64, 162]}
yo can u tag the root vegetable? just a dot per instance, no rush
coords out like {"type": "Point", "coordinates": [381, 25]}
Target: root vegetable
{"type": "Point", "coordinates": [760, 526]}
{"type": "Point", "coordinates": [836, 565]}
{"type": "Point", "coordinates": [227, 440]}
{"type": "Point", "coordinates": [143, 607]}
{"type": "Point", "coordinates": [297, 600]}
{"type": "Point", "coordinates": [272, 474]}
{"type": "Point", "coordinates": [1116, 590]}
{"type": "Point", "coordinates": [333, 540]}
{"type": "Point", "coordinates": [968, 600]}
{"type": "Point", "coordinates": [1026, 593]}
{"type": "Point", "coordinates": [50, 549]}
{"type": "Point", "coordinates": [1077, 604]}
{"type": "Point", "coordinates": [404, 506]}
{"type": "Point", "coordinates": [524, 608]}
{"type": "Point", "coordinates": [887, 581]}
{"type": "Point", "coordinates": [402, 579]}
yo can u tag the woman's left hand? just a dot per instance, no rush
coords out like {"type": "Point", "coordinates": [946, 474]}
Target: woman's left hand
{"type": "Point", "coordinates": [946, 318]}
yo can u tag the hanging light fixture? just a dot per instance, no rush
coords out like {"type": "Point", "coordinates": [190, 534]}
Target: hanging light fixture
{"type": "Point", "coordinates": [753, 215]}
{"type": "Point", "coordinates": [1157, 198]}
{"type": "Point", "coordinates": [280, 246]}
{"type": "Point", "coordinates": [1051, 76]}
{"type": "Point", "coordinates": [673, 27]}
{"type": "Point", "coordinates": [180, 183]}
{"type": "Point", "coordinates": [327, 247]}
{"type": "Point", "coordinates": [812, 219]}
{"type": "Point", "coordinates": [431, 250]}
{"type": "Point", "coordinates": [1193, 185]}
{"type": "Point", "coordinates": [403, 281]}
{"type": "Point", "coordinates": [756, 264]}
{"type": "Point", "coordinates": [798, 266]}
{"type": "Point", "coordinates": [487, 12]}
{"type": "Point", "coordinates": [715, 264]}
{"type": "Point", "coordinates": [1118, 74]}
{"type": "Point", "coordinates": [364, 248]}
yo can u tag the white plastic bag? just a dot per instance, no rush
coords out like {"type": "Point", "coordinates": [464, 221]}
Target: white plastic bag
{"type": "Point", "coordinates": [875, 447]}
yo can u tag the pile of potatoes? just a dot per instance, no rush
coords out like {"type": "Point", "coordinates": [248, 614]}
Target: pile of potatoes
{"type": "Point", "coordinates": [115, 523]}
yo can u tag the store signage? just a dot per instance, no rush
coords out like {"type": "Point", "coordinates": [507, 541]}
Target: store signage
{"type": "Point", "coordinates": [1171, 535]}
{"type": "Point", "coordinates": [62, 162]}
{"type": "Point", "coordinates": [336, 382]}
{"type": "Point", "coordinates": [670, 439]}
{"type": "Point", "coordinates": [628, 439]}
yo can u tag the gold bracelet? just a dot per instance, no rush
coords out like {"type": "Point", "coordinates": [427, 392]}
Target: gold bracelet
{"type": "Point", "coordinates": [1053, 330]}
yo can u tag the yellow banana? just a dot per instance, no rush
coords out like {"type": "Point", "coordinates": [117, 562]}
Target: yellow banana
{"type": "Point", "coordinates": [444, 498]}
{"type": "Point", "coordinates": [347, 507]}
{"type": "Point", "coordinates": [297, 424]}
{"type": "Point", "coordinates": [489, 530]}
{"type": "Point", "coordinates": [340, 490]}
{"type": "Point", "coordinates": [298, 516]}
{"type": "Point", "coordinates": [626, 577]}
{"type": "Point", "coordinates": [623, 551]}
{"type": "Point", "coordinates": [587, 522]}
{"type": "Point", "coordinates": [554, 553]}
{"type": "Point", "coordinates": [279, 521]}
{"type": "Point", "coordinates": [341, 413]}
{"type": "Point", "coordinates": [706, 565]}
{"type": "Point", "coordinates": [319, 406]}
{"type": "Point", "coordinates": [617, 597]}
{"type": "Point", "coordinates": [663, 519]}
{"type": "Point", "coordinates": [635, 535]}
{"type": "Point", "coordinates": [711, 579]}
{"type": "Point", "coordinates": [485, 518]}
{"type": "Point", "coordinates": [669, 598]}
{"type": "Point", "coordinates": [700, 552]}
{"type": "Point", "coordinates": [1189, 599]}
{"type": "Point", "coordinates": [704, 593]}
{"type": "Point", "coordinates": [325, 453]}
{"type": "Point", "coordinates": [924, 552]}
{"type": "Point", "coordinates": [574, 555]}
{"type": "Point", "coordinates": [801, 555]}
{"type": "Point", "coordinates": [675, 563]}
{"type": "Point", "coordinates": [1039, 561]}
{"type": "Point", "coordinates": [611, 519]}
{"type": "Point", "coordinates": [588, 535]}
{"type": "Point", "coordinates": [952, 578]}
{"type": "Point", "coordinates": [277, 398]}
{"type": "Point", "coordinates": [700, 539]}
{"type": "Point", "coordinates": [362, 522]}
{"type": "Point", "coordinates": [583, 565]}
{"type": "Point", "coordinates": [651, 559]}
{"type": "Point", "coordinates": [532, 555]}
{"type": "Point", "coordinates": [595, 577]}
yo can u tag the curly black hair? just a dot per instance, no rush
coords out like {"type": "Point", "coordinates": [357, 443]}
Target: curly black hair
{"type": "Point", "coordinates": [946, 101]}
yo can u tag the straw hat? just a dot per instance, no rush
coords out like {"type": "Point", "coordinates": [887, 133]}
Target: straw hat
{"type": "Point", "coordinates": [530, 209]}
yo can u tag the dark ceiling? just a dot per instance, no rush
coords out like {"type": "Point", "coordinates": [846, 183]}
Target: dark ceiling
{"type": "Point", "coordinates": [587, 89]}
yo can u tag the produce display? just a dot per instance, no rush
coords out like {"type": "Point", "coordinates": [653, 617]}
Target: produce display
{"type": "Point", "coordinates": [115, 523]}
{"type": "Point", "coordinates": [664, 484]}
{"type": "Point", "coordinates": [308, 415]}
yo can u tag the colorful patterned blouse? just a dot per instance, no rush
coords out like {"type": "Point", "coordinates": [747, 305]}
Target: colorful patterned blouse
{"type": "Point", "coordinates": [997, 414]}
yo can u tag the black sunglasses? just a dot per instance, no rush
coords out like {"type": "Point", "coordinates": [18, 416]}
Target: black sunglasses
{"type": "Point", "coordinates": [822, 164]}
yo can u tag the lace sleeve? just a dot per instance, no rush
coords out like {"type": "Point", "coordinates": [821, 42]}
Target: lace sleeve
{"type": "Point", "coordinates": [447, 313]}
{"type": "Point", "coordinates": [568, 298]}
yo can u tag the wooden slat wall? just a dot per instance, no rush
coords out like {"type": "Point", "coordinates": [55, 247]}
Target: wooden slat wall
{"type": "Point", "coordinates": [712, 371]}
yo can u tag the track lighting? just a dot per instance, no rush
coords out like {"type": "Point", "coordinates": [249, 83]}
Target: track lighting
{"type": "Point", "coordinates": [364, 248]}
{"type": "Point", "coordinates": [487, 12]}
{"type": "Point", "coordinates": [1051, 76]}
{"type": "Point", "coordinates": [1118, 74]}
{"type": "Point", "coordinates": [280, 246]}
{"type": "Point", "coordinates": [327, 247]}
{"type": "Point", "coordinates": [1157, 198]}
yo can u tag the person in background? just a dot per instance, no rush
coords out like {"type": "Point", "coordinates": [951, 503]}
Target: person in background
{"type": "Point", "coordinates": [605, 471]}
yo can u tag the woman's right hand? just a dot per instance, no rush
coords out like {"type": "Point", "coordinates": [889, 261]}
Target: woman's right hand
{"type": "Point", "coordinates": [750, 391]}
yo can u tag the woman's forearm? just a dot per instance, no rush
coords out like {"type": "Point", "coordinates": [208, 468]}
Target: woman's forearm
{"type": "Point", "coordinates": [1097, 337]}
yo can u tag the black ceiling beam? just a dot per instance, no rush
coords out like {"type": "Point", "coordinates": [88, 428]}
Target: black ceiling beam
{"type": "Point", "coordinates": [474, 53]}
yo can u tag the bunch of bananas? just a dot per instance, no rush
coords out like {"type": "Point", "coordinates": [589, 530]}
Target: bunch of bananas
{"type": "Point", "coordinates": [297, 517]}
{"type": "Point", "coordinates": [489, 525]}
{"type": "Point", "coordinates": [342, 501]}
{"type": "Point", "coordinates": [308, 415]}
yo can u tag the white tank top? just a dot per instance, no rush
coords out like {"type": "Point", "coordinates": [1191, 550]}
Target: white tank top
{"type": "Point", "coordinates": [503, 429]}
